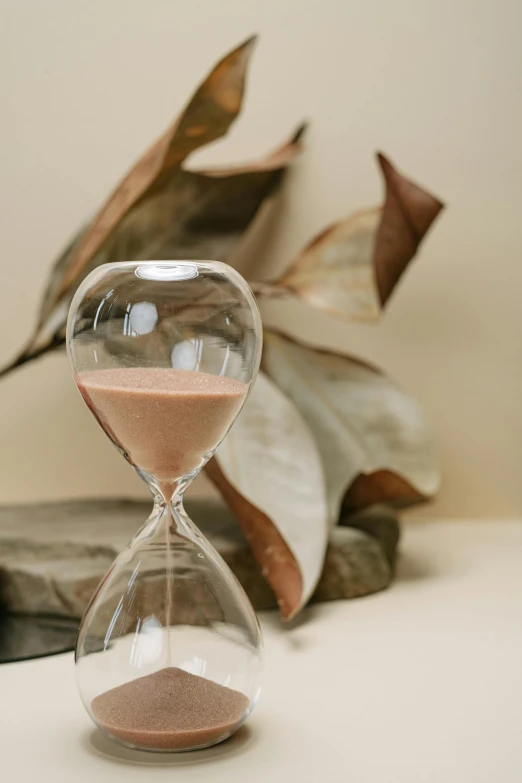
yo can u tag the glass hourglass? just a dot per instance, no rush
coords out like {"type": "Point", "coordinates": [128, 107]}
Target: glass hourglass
{"type": "Point", "coordinates": [163, 353]}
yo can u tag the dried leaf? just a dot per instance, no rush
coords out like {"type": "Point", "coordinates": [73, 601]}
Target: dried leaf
{"type": "Point", "coordinates": [199, 214]}
{"type": "Point", "coordinates": [207, 117]}
{"type": "Point", "coordinates": [371, 436]}
{"type": "Point", "coordinates": [335, 271]}
{"type": "Point", "coordinates": [388, 487]}
{"type": "Point", "coordinates": [407, 216]}
{"type": "Point", "coordinates": [269, 472]}
{"type": "Point", "coordinates": [351, 268]}
{"type": "Point", "coordinates": [171, 212]}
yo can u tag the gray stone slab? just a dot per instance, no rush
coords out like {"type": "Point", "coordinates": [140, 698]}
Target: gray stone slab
{"type": "Point", "coordinates": [53, 555]}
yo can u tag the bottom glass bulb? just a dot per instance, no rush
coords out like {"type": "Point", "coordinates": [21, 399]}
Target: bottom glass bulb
{"type": "Point", "coordinates": [169, 650]}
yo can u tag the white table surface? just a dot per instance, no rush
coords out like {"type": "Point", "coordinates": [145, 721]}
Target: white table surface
{"type": "Point", "coordinates": [420, 684]}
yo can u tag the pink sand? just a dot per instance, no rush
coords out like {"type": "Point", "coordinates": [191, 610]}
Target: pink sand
{"type": "Point", "coordinates": [170, 710]}
{"type": "Point", "coordinates": [166, 421]}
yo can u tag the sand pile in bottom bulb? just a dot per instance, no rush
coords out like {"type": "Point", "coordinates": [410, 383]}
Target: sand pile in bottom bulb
{"type": "Point", "coordinates": [170, 710]}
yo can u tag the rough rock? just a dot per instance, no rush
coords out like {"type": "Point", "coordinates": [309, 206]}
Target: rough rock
{"type": "Point", "coordinates": [379, 521]}
{"type": "Point", "coordinates": [53, 555]}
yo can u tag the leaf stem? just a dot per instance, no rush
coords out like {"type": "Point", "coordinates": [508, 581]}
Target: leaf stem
{"type": "Point", "coordinates": [28, 356]}
{"type": "Point", "coordinates": [273, 290]}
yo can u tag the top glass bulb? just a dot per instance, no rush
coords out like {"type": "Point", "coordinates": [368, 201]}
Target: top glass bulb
{"type": "Point", "coordinates": [137, 330]}
{"type": "Point", "coordinates": [164, 353]}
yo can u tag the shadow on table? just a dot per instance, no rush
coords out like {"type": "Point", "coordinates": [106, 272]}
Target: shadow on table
{"type": "Point", "coordinates": [414, 568]}
{"type": "Point", "coordinates": [95, 742]}
{"type": "Point", "coordinates": [23, 637]}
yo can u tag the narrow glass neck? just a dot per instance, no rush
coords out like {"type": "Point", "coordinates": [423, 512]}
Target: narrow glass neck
{"type": "Point", "coordinates": [167, 492]}
{"type": "Point", "coordinates": [167, 521]}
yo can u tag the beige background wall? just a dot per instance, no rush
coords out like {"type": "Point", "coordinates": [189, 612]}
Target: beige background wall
{"type": "Point", "coordinates": [85, 86]}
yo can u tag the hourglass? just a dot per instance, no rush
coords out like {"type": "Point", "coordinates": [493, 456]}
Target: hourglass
{"type": "Point", "coordinates": [163, 353]}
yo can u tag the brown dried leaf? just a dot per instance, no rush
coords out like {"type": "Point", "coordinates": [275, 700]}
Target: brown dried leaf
{"type": "Point", "coordinates": [381, 486]}
{"type": "Point", "coordinates": [279, 566]}
{"type": "Point", "coordinates": [351, 268]}
{"type": "Point", "coordinates": [372, 437]}
{"type": "Point", "coordinates": [199, 214]}
{"type": "Point", "coordinates": [179, 214]}
{"type": "Point", "coordinates": [268, 470]}
{"type": "Point", "coordinates": [207, 117]}
{"type": "Point", "coordinates": [335, 271]}
{"type": "Point", "coordinates": [408, 214]}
